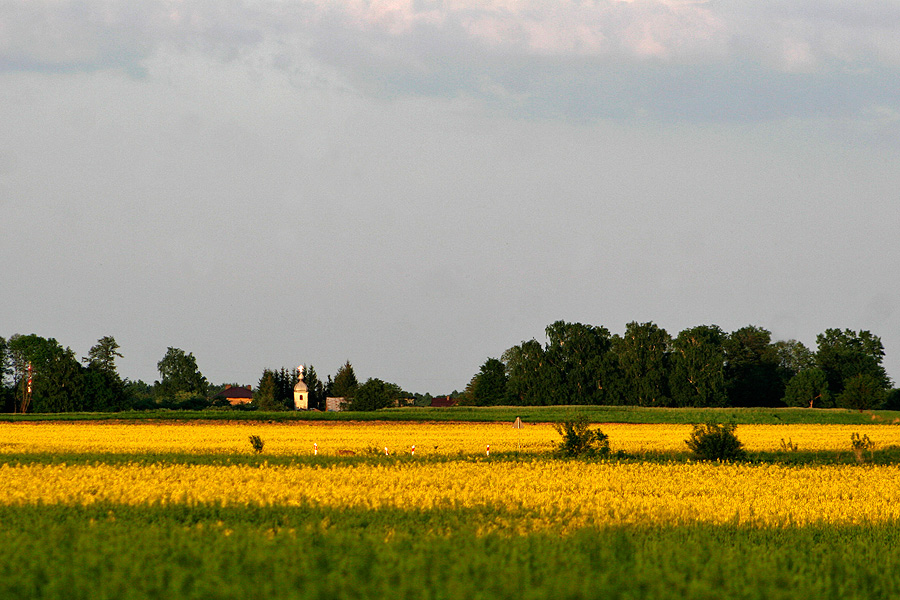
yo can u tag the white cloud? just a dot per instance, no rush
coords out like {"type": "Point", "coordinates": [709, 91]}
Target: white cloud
{"type": "Point", "coordinates": [50, 32]}
{"type": "Point", "coordinates": [582, 59]}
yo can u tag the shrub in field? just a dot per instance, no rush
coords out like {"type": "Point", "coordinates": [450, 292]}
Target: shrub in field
{"type": "Point", "coordinates": [257, 443]}
{"type": "Point", "coordinates": [788, 446]}
{"type": "Point", "coordinates": [716, 441]}
{"type": "Point", "coordinates": [861, 445]}
{"type": "Point", "coordinates": [580, 440]}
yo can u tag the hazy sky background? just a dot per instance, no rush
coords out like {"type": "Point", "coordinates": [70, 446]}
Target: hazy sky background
{"type": "Point", "coordinates": [418, 185]}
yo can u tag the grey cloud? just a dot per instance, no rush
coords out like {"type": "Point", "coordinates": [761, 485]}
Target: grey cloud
{"type": "Point", "coordinates": [667, 60]}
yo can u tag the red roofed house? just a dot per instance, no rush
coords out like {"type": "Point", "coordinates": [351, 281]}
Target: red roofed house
{"type": "Point", "coordinates": [443, 402]}
{"type": "Point", "coordinates": [236, 394]}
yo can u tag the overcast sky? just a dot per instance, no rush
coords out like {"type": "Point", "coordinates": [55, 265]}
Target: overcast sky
{"type": "Point", "coordinates": [418, 185]}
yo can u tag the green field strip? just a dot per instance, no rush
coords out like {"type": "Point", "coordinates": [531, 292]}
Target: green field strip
{"type": "Point", "coordinates": [529, 414]}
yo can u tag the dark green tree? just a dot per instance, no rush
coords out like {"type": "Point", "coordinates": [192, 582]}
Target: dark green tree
{"type": "Point", "coordinates": [808, 389]}
{"type": "Point", "coordinates": [316, 389]}
{"type": "Point", "coordinates": [6, 390]}
{"type": "Point", "coordinates": [179, 375]}
{"type": "Point", "coordinates": [374, 394]}
{"type": "Point", "coordinates": [488, 386]}
{"type": "Point", "coordinates": [285, 380]}
{"type": "Point", "coordinates": [139, 394]}
{"type": "Point", "coordinates": [892, 400]}
{"type": "Point", "coordinates": [5, 369]}
{"type": "Point", "coordinates": [102, 355]}
{"type": "Point", "coordinates": [862, 392]}
{"type": "Point", "coordinates": [345, 382]}
{"type": "Point", "coordinates": [643, 354]}
{"type": "Point", "coordinates": [576, 363]}
{"type": "Point", "coordinates": [104, 390]}
{"type": "Point", "coordinates": [753, 375]}
{"type": "Point", "coordinates": [527, 383]}
{"type": "Point", "coordinates": [793, 357]}
{"type": "Point", "coordinates": [266, 392]}
{"type": "Point", "coordinates": [56, 374]}
{"type": "Point", "coordinates": [845, 354]}
{"type": "Point", "coordinates": [698, 367]}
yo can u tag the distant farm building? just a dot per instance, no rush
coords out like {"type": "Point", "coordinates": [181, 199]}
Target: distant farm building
{"type": "Point", "coordinates": [236, 394]}
{"type": "Point", "coordinates": [443, 402]}
{"type": "Point", "coordinates": [335, 404]}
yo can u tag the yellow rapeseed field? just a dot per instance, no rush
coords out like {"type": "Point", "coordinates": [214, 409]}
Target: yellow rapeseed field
{"type": "Point", "coordinates": [332, 438]}
{"type": "Point", "coordinates": [547, 492]}
{"type": "Point", "coordinates": [543, 491]}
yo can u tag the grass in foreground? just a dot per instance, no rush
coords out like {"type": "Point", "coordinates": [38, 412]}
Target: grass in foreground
{"type": "Point", "coordinates": [208, 552]}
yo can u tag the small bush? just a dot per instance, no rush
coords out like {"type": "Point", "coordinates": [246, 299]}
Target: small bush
{"type": "Point", "coordinates": [789, 446]}
{"type": "Point", "coordinates": [714, 441]}
{"type": "Point", "coordinates": [257, 443]}
{"type": "Point", "coordinates": [580, 440]}
{"type": "Point", "coordinates": [861, 445]}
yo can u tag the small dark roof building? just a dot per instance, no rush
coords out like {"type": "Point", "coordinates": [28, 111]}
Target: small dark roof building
{"type": "Point", "coordinates": [236, 394]}
{"type": "Point", "coordinates": [443, 402]}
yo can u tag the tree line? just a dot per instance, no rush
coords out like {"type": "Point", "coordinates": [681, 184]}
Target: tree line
{"type": "Point", "coordinates": [702, 366]}
{"type": "Point", "coordinates": [276, 390]}
{"type": "Point", "coordinates": [38, 374]}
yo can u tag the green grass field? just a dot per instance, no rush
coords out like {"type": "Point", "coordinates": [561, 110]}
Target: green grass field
{"type": "Point", "coordinates": [530, 414]}
{"type": "Point", "coordinates": [208, 552]}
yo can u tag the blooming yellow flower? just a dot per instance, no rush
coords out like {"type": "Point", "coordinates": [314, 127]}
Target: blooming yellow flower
{"type": "Point", "coordinates": [342, 438]}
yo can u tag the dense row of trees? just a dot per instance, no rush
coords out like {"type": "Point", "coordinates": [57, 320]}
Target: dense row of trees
{"type": "Point", "coordinates": [276, 389]}
{"type": "Point", "coordinates": [701, 366]}
{"type": "Point", "coordinates": [578, 364]}
{"type": "Point", "coordinates": [38, 374]}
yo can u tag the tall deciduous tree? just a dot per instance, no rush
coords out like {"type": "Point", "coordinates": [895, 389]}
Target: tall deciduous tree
{"type": "Point", "coordinates": [104, 390]}
{"type": "Point", "coordinates": [527, 383]}
{"type": "Point", "coordinates": [808, 389]}
{"type": "Point", "coordinates": [4, 361]}
{"type": "Point", "coordinates": [57, 382]}
{"type": "Point", "coordinates": [576, 362]}
{"type": "Point", "coordinates": [753, 375]}
{"type": "Point", "coordinates": [862, 392]}
{"type": "Point", "coordinates": [374, 394]}
{"type": "Point", "coordinates": [179, 374]}
{"type": "Point", "coordinates": [488, 386]}
{"type": "Point", "coordinates": [698, 367]}
{"type": "Point", "coordinates": [6, 391]}
{"type": "Point", "coordinates": [643, 353]}
{"type": "Point", "coordinates": [102, 355]}
{"type": "Point", "coordinates": [793, 356]}
{"type": "Point", "coordinates": [845, 354]}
